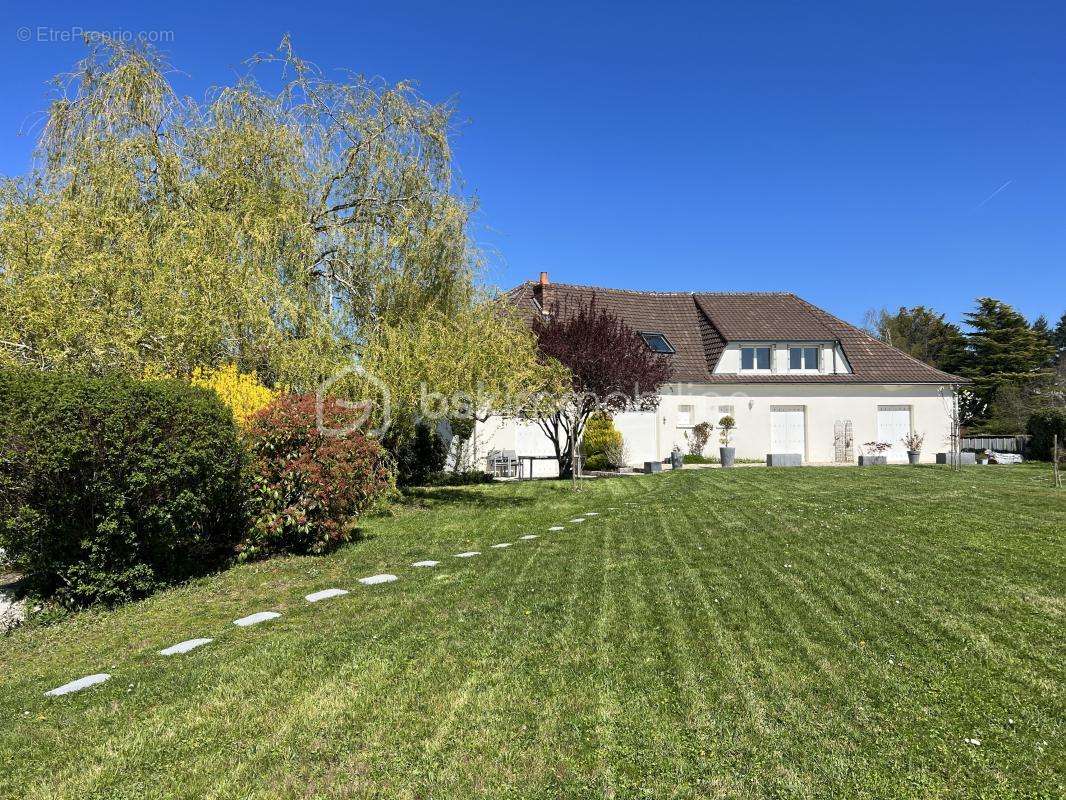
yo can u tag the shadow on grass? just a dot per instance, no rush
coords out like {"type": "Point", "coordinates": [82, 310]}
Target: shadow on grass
{"type": "Point", "coordinates": [433, 497]}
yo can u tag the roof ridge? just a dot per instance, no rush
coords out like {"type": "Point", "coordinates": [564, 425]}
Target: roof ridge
{"type": "Point", "coordinates": [656, 293]}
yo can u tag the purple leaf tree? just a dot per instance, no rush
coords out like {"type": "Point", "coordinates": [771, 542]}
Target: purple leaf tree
{"type": "Point", "coordinates": [611, 367]}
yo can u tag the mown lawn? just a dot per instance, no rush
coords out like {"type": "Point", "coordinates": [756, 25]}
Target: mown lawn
{"type": "Point", "coordinates": [745, 633]}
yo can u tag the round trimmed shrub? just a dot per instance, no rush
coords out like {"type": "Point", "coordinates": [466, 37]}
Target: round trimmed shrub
{"type": "Point", "coordinates": [111, 488]}
{"type": "Point", "coordinates": [602, 438]}
{"type": "Point", "coordinates": [309, 483]}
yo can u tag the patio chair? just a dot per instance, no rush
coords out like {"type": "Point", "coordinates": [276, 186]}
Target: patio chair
{"type": "Point", "coordinates": [503, 464]}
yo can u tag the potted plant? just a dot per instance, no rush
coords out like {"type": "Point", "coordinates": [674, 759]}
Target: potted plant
{"type": "Point", "coordinates": [726, 453]}
{"type": "Point", "coordinates": [874, 454]}
{"type": "Point", "coordinates": [913, 442]}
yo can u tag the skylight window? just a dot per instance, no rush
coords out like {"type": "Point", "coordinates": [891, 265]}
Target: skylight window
{"type": "Point", "coordinates": [657, 342]}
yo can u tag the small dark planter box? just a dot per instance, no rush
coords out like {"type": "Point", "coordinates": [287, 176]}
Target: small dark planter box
{"type": "Point", "coordinates": [949, 458]}
{"type": "Point", "coordinates": [873, 461]}
{"type": "Point", "coordinates": [727, 455]}
{"type": "Point", "coordinates": [653, 466]}
{"type": "Point", "coordinates": [784, 460]}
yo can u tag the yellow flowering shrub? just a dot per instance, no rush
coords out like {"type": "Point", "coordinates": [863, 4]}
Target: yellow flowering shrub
{"type": "Point", "coordinates": [241, 391]}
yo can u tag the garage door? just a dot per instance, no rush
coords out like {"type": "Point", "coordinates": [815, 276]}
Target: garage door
{"type": "Point", "coordinates": [893, 423]}
{"type": "Point", "coordinates": [787, 434]}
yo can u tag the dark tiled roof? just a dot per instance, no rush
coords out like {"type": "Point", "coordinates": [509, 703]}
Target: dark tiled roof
{"type": "Point", "coordinates": [699, 325]}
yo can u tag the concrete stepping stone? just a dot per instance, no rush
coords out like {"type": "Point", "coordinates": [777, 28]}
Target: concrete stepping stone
{"type": "Point", "coordinates": [592, 513]}
{"type": "Point", "coordinates": [468, 554]}
{"type": "Point", "coordinates": [528, 536]}
{"type": "Point", "coordinates": [426, 563]}
{"type": "Point", "coordinates": [557, 528]}
{"type": "Point", "coordinates": [256, 618]}
{"type": "Point", "coordinates": [184, 647]}
{"type": "Point", "coordinates": [78, 685]}
{"type": "Point", "coordinates": [502, 545]}
{"type": "Point", "coordinates": [325, 594]}
{"type": "Point", "coordinates": [373, 580]}
{"type": "Point", "coordinates": [578, 519]}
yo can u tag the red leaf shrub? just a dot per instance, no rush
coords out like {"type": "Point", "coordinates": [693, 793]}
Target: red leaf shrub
{"type": "Point", "coordinates": [307, 487]}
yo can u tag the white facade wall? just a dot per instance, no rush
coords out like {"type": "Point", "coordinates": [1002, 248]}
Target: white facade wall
{"type": "Point", "coordinates": [652, 435]}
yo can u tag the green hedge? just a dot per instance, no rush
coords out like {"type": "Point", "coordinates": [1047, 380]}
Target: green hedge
{"type": "Point", "coordinates": [699, 459]}
{"type": "Point", "coordinates": [111, 488]}
{"type": "Point", "coordinates": [1042, 427]}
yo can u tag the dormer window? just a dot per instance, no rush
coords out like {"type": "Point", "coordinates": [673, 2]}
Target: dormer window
{"type": "Point", "coordinates": [657, 342]}
{"type": "Point", "coordinates": [803, 359]}
{"type": "Point", "coordinates": [755, 359]}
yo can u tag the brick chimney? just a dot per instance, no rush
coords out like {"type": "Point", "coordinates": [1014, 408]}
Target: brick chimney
{"type": "Point", "coordinates": [543, 294]}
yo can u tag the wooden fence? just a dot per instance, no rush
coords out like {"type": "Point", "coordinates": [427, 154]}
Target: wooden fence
{"type": "Point", "coordinates": [999, 444]}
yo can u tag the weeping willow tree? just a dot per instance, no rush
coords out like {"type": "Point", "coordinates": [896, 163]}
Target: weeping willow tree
{"type": "Point", "coordinates": [280, 230]}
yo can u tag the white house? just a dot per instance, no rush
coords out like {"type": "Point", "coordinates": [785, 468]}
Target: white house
{"type": "Point", "coordinates": [795, 378]}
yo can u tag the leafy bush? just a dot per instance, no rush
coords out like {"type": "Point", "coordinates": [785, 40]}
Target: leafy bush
{"type": "Point", "coordinates": [615, 453]}
{"type": "Point", "coordinates": [471, 477]}
{"type": "Point", "coordinates": [597, 462]}
{"type": "Point", "coordinates": [697, 439]}
{"type": "Point", "coordinates": [419, 452]}
{"type": "Point", "coordinates": [242, 392]}
{"type": "Point", "coordinates": [1042, 427]}
{"type": "Point", "coordinates": [308, 486]}
{"type": "Point", "coordinates": [111, 488]}
{"type": "Point", "coordinates": [602, 438]}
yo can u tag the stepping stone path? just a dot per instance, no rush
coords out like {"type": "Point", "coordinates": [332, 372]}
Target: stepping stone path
{"type": "Point", "coordinates": [184, 647]}
{"type": "Point", "coordinates": [78, 685]}
{"type": "Point", "coordinates": [314, 597]}
{"type": "Point", "coordinates": [325, 594]}
{"type": "Point", "coordinates": [373, 580]}
{"type": "Point", "coordinates": [255, 619]}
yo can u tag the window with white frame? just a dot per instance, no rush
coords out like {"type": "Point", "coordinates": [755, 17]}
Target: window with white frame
{"type": "Point", "coordinates": [755, 359]}
{"type": "Point", "coordinates": [728, 410]}
{"type": "Point", "coordinates": [803, 359]}
{"type": "Point", "coordinates": [684, 416]}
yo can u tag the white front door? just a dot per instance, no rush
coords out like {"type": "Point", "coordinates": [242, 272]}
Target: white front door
{"type": "Point", "coordinates": [893, 423]}
{"type": "Point", "coordinates": [787, 433]}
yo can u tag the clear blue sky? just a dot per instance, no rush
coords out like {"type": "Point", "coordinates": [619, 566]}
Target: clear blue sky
{"type": "Point", "coordinates": [854, 154]}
